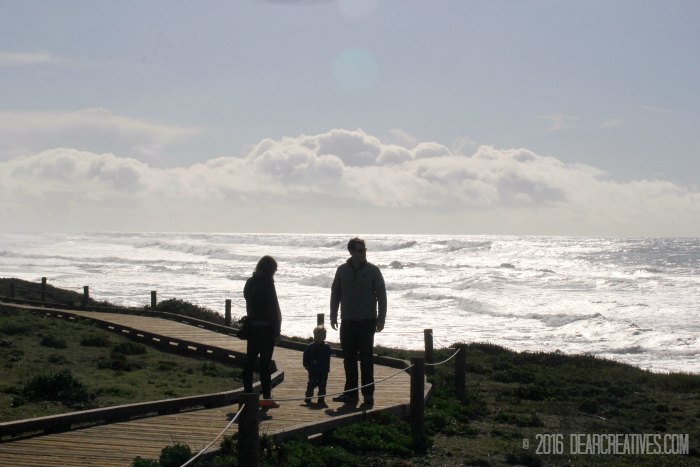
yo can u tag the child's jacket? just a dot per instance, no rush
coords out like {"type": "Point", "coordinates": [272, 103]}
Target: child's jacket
{"type": "Point", "coordinates": [317, 359]}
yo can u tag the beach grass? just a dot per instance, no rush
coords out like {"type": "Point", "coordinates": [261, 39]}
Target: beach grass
{"type": "Point", "coordinates": [53, 366]}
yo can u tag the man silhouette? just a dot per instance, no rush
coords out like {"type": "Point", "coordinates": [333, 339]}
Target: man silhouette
{"type": "Point", "coordinates": [358, 289]}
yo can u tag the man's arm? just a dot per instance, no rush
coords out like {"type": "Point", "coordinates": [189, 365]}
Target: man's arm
{"type": "Point", "coordinates": [380, 291]}
{"type": "Point", "coordinates": [335, 299]}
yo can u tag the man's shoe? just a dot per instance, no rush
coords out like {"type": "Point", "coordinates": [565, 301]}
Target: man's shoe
{"type": "Point", "coordinates": [268, 404]}
{"type": "Point", "coordinates": [346, 399]}
{"type": "Point", "coordinates": [307, 401]}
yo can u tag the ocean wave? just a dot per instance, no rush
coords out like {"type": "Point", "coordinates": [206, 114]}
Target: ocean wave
{"type": "Point", "coordinates": [399, 265]}
{"type": "Point", "coordinates": [384, 245]}
{"type": "Point", "coordinates": [279, 240]}
{"type": "Point", "coordinates": [238, 277]}
{"type": "Point", "coordinates": [83, 261]}
{"type": "Point", "coordinates": [560, 319]}
{"type": "Point", "coordinates": [634, 349]}
{"type": "Point", "coordinates": [401, 286]}
{"type": "Point", "coordinates": [320, 280]}
{"type": "Point", "coordinates": [466, 283]}
{"type": "Point", "coordinates": [199, 250]}
{"type": "Point", "coordinates": [428, 296]}
{"type": "Point", "coordinates": [309, 259]}
{"type": "Point", "coordinates": [450, 246]}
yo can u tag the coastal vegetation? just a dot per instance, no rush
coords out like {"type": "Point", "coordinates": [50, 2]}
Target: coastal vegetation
{"type": "Point", "coordinates": [521, 408]}
{"type": "Point", "coordinates": [53, 366]}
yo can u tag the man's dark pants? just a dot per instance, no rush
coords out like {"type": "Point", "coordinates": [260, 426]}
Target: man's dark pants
{"type": "Point", "coordinates": [357, 340]}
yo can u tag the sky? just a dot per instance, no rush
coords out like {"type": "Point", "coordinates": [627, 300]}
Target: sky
{"type": "Point", "coordinates": [453, 117]}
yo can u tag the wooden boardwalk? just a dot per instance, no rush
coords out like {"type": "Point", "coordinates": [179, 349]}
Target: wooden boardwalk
{"type": "Point", "coordinates": [117, 444]}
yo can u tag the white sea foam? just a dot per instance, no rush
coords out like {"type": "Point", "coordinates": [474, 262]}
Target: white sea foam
{"type": "Point", "coordinates": [633, 300]}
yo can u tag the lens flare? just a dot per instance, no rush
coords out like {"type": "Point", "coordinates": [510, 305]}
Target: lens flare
{"type": "Point", "coordinates": [354, 69]}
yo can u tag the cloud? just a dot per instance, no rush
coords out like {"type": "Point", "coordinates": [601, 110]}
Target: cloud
{"type": "Point", "coordinates": [96, 130]}
{"type": "Point", "coordinates": [650, 108]}
{"type": "Point", "coordinates": [348, 181]}
{"type": "Point", "coordinates": [560, 121]}
{"type": "Point", "coordinates": [612, 123]}
{"type": "Point", "coordinates": [402, 138]}
{"type": "Point", "coordinates": [8, 59]}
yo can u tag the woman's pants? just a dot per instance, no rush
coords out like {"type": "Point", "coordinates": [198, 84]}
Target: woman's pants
{"type": "Point", "coordinates": [260, 342]}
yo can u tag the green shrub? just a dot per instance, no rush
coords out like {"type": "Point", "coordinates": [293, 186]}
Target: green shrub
{"type": "Point", "coordinates": [210, 369]}
{"type": "Point", "coordinates": [57, 359]}
{"type": "Point", "coordinates": [523, 458]}
{"type": "Point", "coordinates": [166, 365]}
{"type": "Point", "coordinates": [228, 445]}
{"type": "Point", "coordinates": [11, 329]}
{"type": "Point", "coordinates": [181, 307]}
{"type": "Point", "coordinates": [95, 341]}
{"type": "Point", "coordinates": [520, 420]}
{"type": "Point", "coordinates": [59, 387]}
{"type": "Point", "coordinates": [533, 392]}
{"type": "Point", "coordinates": [114, 392]}
{"type": "Point", "coordinates": [298, 453]}
{"type": "Point", "coordinates": [15, 355]}
{"type": "Point", "coordinates": [514, 375]}
{"type": "Point", "coordinates": [374, 436]}
{"type": "Point", "coordinates": [589, 406]}
{"type": "Point", "coordinates": [54, 342]}
{"type": "Point", "coordinates": [175, 455]}
{"type": "Point", "coordinates": [129, 348]}
{"type": "Point", "coordinates": [117, 362]}
{"type": "Point", "coordinates": [141, 462]}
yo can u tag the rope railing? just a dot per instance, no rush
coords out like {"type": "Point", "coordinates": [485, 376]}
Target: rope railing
{"type": "Point", "coordinates": [444, 361]}
{"type": "Point", "coordinates": [233, 420]}
{"type": "Point", "coordinates": [439, 342]}
{"type": "Point", "coordinates": [444, 347]}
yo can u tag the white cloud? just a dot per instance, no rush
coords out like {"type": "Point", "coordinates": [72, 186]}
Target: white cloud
{"type": "Point", "coordinates": [612, 123]}
{"type": "Point", "coordinates": [402, 138]}
{"type": "Point", "coordinates": [96, 130]}
{"type": "Point", "coordinates": [347, 181]}
{"type": "Point", "coordinates": [560, 121]}
{"type": "Point", "coordinates": [8, 59]}
{"type": "Point", "coordinates": [651, 108]}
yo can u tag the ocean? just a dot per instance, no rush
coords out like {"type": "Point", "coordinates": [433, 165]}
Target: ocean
{"type": "Point", "coordinates": [633, 300]}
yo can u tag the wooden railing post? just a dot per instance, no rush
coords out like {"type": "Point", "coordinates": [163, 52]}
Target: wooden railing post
{"type": "Point", "coordinates": [154, 300]}
{"type": "Point", "coordinates": [227, 315]}
{"type": "Point", "coordinates": [86, 295]}
{"type": "Point", "coordinates": [429, 355]}
{"type": "Point", "coordinates": [320, 318]}
{"type": "Point", "coordinates": [248, 426]}
{"type": "Point", "coordinates": [461, 372]}
{"type": "Point", "coordinates": [13, 292]}
{"type": "Point", "coordinates": [43, 289]}
{"type": "Point", "coordinates": [418, 404]}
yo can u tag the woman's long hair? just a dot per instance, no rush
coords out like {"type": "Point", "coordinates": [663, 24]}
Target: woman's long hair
{"type": "Point", "coordinates": [266, 267]}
